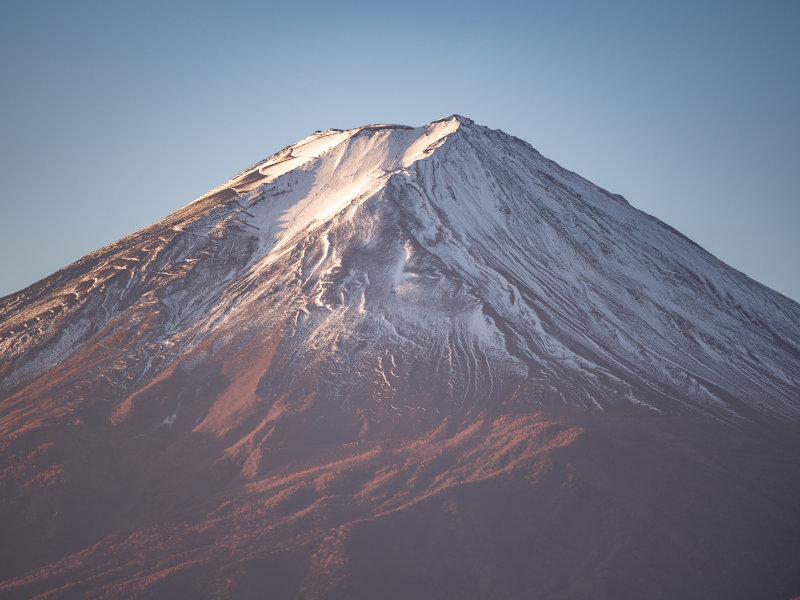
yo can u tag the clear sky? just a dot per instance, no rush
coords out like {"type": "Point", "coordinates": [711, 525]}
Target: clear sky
{"type": "Point", "coordinates": [114, 114]}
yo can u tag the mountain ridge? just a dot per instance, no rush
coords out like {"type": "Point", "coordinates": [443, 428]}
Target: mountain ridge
{"type": "Point", "coordinates": [306, 193]}
{"type": "Point", "coordinates": [400, 362]}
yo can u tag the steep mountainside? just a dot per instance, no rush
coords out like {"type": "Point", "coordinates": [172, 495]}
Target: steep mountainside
{"type": "Point", "coordinates": [401, 362]}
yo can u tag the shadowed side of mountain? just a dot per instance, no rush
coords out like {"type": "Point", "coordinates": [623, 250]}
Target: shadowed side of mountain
{"type": "Point", "coordinates": [544, 505]}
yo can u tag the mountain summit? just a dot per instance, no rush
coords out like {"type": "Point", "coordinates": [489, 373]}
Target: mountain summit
{"type": "Point", "coordinates": [431, 341]}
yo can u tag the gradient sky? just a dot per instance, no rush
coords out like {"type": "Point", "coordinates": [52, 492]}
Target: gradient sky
{"type": "Point", "coordinates": [114, 114]}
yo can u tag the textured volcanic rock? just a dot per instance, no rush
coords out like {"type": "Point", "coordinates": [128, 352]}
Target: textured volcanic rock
{"type": "Point", "coordinates": [401, 362]}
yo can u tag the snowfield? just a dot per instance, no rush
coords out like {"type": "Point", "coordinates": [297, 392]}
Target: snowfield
{"type": "Point", "coordinates": [460, 254]}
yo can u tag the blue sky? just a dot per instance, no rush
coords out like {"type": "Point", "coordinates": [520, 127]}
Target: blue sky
{"type": "Point", "coordinates": [115, 114]}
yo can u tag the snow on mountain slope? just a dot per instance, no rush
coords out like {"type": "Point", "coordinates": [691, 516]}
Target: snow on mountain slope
{"type": "Point", "coordinates": [414, 271]}
{"type": "Point", "coordinates": [391, 362]}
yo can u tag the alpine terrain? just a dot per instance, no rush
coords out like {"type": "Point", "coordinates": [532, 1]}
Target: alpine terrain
{"type": "Point", "coordinates": [395, 362]}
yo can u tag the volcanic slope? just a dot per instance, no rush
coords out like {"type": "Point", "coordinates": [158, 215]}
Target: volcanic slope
{"type": "Point", "coordinates": [432, 341]}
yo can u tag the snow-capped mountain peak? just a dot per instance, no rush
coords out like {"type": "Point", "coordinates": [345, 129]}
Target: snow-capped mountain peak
{"type": "Point", "coordinates": [394, 362]}
{"type": "Point", "coordinates": [473, 264]}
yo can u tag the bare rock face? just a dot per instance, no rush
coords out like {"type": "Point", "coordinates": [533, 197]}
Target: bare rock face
{"type": "Point", "coordinates": [401, 362]}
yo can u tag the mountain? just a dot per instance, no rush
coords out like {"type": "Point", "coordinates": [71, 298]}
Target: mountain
{"type": "Point", "coordinates": [401, 362]}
